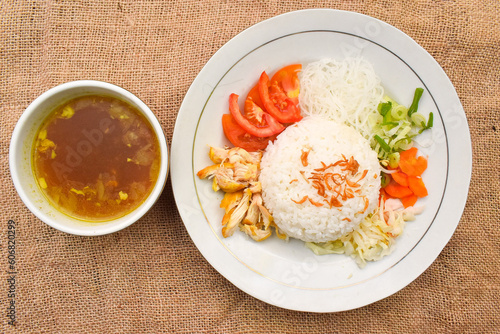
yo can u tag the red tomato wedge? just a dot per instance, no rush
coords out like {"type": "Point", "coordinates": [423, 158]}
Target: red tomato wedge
{"type": "Point", "coordinates": [240, 138]}
{"type": "Point", "coordinates": [253, 128]}
{"type": "Point", "coordinates": [271, 127]}
{"type": "Point", "coordinates": [287, 78]}
{"type": "Point", "coordinates": [280, 94]}
{"type": "Point", "coordinates": [253, 112]}
{"type": "Point", "coordinates": [253, 94]}
{"type": "Point", "coordinates": [254, 108]}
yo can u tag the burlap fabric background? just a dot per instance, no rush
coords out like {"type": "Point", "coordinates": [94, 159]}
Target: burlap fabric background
{"type": "Point", "coordinates": [150, 277]}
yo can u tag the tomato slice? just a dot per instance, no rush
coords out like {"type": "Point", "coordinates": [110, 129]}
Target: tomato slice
{"type": "Point", "coordinates": [272, 126]}
{"type": "Point", "coordinates": [253, 94]}
{"type": "Point", "coordinates": [254, 112]}
{"type": "Point", "coordinates": [240, 138]}
{"type": "Point", "coordinates": [287, 78]}
{"type": "Point", "coordinates": [280, 94]}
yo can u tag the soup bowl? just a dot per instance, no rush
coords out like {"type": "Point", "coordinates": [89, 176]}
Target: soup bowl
{"type": "Point", "coordinates": [21, 158]}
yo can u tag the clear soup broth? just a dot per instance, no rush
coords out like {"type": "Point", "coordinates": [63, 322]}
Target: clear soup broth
{"type": "Point", "coordinates": [96, 158]}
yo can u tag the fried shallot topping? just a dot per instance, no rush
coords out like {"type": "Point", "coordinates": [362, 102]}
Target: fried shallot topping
{"type": "Point", "coordinates": [334, 186]}
{"type": "Point", "coordinates": [303, 158]}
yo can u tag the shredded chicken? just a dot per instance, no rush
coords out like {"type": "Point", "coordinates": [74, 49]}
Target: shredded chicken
{"type": "Point", "coordinates": [236, 172]}
{"type": "Point", "coordinates": [237, 214]}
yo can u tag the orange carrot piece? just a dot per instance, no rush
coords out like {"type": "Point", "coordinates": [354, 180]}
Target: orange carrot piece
{"type": "Point", "coordinates": [414, 167]}
{"type": "Point", "coordinates": [400, 178]}
{"type": "Point", "coordinates": [409, 200]}
{"type": "Point", "coordinates": [397, 191]}
{"type": "Point", "coordinates": [410, 153]}
{"type": "Point", "coordinates": [421, 164]}
{"type": "Point", "coordinates": [384, 194]}
{"type": "Point", "coordinates": [417, 186]}
{"type": "Point", "coordinates": [410, 164]}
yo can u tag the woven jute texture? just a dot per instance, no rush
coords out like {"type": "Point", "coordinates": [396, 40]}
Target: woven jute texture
{"type": "Point", "coordinates": [150, 277]}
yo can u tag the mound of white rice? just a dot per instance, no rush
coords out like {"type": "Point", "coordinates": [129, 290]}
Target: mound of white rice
{"type": "Point", "coordinates": [285, 179]}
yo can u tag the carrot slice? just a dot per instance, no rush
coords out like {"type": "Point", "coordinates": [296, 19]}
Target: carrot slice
{"type": "Point", "coordinates": [410, 164]}
{"type": "Point", "coordinates": [383, 195]}
{"type": "Point", "coordinates": [417, 186]}
{"type": "Point", "coordinates": [409, 154]}
{"type": "Point", "coordinates": [413, 167]}
{"type": "Point", "coordinates": [400, 178]}
{"type": "Point", "coordinates": [409, 200]}
{"type": "Point", "coordinates": [397, 191]}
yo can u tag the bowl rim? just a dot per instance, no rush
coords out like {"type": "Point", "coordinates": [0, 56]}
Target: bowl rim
{"type": "Point", "coordinates": [19, 136]}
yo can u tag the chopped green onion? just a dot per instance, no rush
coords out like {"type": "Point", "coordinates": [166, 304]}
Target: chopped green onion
{"type": "Point", "coordinates": [374, 120]}
{"type": "Point", "coordinates": [399, 112]}
{"type": "Point", "coordinates": [384, 179]}
{"type": "Point", "coordinates": [430, 122]}
{"type": "Point", "coordinates": [395, 125]}
{"type": "Point", "coordinates": [382, 143]}
{"type": "Point", "coordinates": [394, 160]}
{"type": "Point", "coordinates": [384, 108]}
{"type": "Point", "coordinates": [414, 105]}
{"type": "Point", "coordinates": [403, 144]}
{"type": "Point", "coordinates": [402, 134]}
{"type": "Point", "coordinates": [417, 119]}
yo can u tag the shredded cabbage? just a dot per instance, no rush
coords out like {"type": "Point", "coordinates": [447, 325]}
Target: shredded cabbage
{"type": "Point", "coordinates": [373, 239]}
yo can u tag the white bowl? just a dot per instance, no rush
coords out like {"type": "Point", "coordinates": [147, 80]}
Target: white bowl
{"type": "Point", "coordinates": [20, 157]}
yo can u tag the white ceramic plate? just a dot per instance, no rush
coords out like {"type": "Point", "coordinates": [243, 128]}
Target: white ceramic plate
{"type": "Point", "coordinates": [289, 275]}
